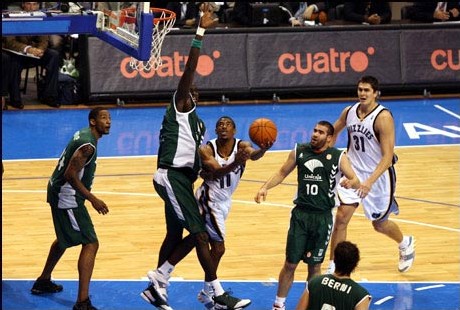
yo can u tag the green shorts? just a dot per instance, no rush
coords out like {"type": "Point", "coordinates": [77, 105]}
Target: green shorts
{"type": "Point", "coordinates": [308, 236]}
{"type": "Point", "coordinates": [73, 226]}
{"type": "Point", "coordinates": [181, 207]}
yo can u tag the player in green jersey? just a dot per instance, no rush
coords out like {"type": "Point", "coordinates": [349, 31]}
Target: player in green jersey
{"type": "Point", "coordinates": [318, 173]}
{"type": "Point", "coordinates": [68, 188]}
{"type": "Point", "coordinates": [337, 290]}
{"type": "Point", "coordinates": [179, 163]}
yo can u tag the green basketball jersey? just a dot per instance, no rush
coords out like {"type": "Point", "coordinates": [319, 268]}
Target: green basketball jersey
{"type": "Point", "coordinates": [330, 292]}
{"type": "Point", "coordinates": [317, 177]}
{"type": "Point", "coordinates": [180, 137]}
{"type": "Point", "coordinates": [58, 188]}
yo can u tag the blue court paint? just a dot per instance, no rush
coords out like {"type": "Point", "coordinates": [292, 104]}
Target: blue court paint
{"type": "Point", "coordinates": [124, 295]}
{"type": "Point", "coordinates": [34, 134]}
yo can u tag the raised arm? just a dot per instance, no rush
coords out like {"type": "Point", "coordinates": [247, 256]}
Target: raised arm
{"type": "Point", "coordinates": [183, 100]}
{"type": "Point", "coordinates": [212, 169]}
{"type": "Point", "coordinates": [253, 153]}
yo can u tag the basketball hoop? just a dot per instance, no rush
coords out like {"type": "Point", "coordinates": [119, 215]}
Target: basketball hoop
{"type": "Point", "coordinates": [163, 20]}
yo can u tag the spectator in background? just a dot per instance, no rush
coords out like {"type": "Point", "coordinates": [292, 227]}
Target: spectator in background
{"type": "Point", "coordinates": [6, 61]}
{"type": "Point", "coordinates": [242, 12]}
{"type": "Point", "coordinates": [313, 11]}
{"type": "Point", "coordinates": [39, 54]}
{"type": "Point", "coordinates": [367, 12]}
{"type": "Point", "coordinates": [186, 13]}
{"type": "Point", "coordinates": [431, 11]}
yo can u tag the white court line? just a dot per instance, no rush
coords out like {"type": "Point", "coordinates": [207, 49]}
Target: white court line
{"type": "Point", "coordinates": [447, 111]}
{"type": "Point", "coordinates": [429, 287]}
{"type": "Point", "coordinates": [246, 202]}
{"type": "Point", "coordinates": [385, 299]}
{"type": "Point", "coordinates": [272, 151]}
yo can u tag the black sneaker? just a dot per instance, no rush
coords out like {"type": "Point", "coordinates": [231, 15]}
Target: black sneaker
{"type": "Point", "coordinates": [152, 296]}
{"type": "Point", "coordinates": [45, 286]}
{"type": "Point", "coordinates": [226, 301]}
{"type": "Point", "coordinates": [84, 305]}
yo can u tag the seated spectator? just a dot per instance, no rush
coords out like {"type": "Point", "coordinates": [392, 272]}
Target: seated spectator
{"type": "Point", "coordinates": [428, 12]}
{"type": "Point", "coordinates": [225, 11]}
{"type": "Point", "coordinates": [242, 12]}
{"type": "Point", "coordinates": [29, 51]}
{"type": "Point", "coordinates": [367, 12]}
{"type": "Point", "coordinates": [311, 12]}
{"type": "Point", "coordinates": [186, 13]}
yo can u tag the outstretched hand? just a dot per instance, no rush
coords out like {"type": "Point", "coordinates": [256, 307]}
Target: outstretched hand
{"type": "Point", "coordinates": [267, 145]}
{"type": "Point", "coordinates": [208, 18]}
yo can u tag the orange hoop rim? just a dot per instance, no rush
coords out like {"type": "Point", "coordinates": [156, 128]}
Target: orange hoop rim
{"type": "Point", "coordinates": [170, 15]}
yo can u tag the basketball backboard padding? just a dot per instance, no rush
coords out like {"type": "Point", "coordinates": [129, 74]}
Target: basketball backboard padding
{"type": "Point", "coordinates": [16, 25]}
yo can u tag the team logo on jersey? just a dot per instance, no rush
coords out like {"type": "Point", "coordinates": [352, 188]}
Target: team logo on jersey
{"type": "Point", "coordinates": [312, 164]}
{"type": "Point", "coordinates": [328, 156]}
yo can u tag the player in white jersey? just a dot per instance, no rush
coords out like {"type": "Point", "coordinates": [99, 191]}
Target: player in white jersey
{"type": "Point", "coordinates": [371, 140]}
{"type": "Point", "coordinates": [214, 196]}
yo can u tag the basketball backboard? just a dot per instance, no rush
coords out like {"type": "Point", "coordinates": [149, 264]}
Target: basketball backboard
{"type": "Point", "coordinates": [130, 29]}
{"type": "Point", "coordinates": [126, 25]}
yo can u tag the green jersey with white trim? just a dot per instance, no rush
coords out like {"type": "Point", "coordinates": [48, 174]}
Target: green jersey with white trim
{"type": "Point", "coordinates": [58, 187]}
{"type": "Point", "coordinates": [317, 177]}
{"type": "Point", "coordinates": [330, 292]}
{"type": "Point", "coordinates": [181, 134]}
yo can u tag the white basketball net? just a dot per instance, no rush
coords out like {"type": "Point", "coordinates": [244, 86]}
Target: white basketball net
{"type": "Point", "coordinates": [162, 26]}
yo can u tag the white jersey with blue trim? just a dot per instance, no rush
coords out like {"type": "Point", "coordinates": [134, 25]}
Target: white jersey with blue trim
{"type": "Point", "coordinates": [222, 189]}
{"type": "Point", "coordinates": [363, 149]}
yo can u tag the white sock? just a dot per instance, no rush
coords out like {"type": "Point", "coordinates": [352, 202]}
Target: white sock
{"type": "Point", "coordinates": [404, 243]}
{"type": "Point", "coordinates": [207, 287]}
{"type": "Point", "coordinates": [217, 287]}
{"type": "Point", "coordinates": [166, 269]}
{"type": "Point", "coordinates": [280, 300]}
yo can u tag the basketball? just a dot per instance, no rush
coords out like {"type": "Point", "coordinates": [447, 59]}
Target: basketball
{"type": "Point", "coordinates": [263, 131]}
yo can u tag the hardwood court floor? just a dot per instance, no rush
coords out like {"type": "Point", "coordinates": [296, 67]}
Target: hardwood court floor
{"type": "Point", "coordinates": [131, 234]}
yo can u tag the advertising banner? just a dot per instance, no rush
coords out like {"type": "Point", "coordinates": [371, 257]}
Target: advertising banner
{"type": "Point", "coordinates": [221, 66]}
{"type": "Point", "coordinates": [322, 58]}
{"type": "Point", "coordinates": [300, 60]}
{"type": "Point", "coordinates": [430, 56]}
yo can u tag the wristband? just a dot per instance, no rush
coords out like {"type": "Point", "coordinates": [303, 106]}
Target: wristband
{"type": "Point", "coordinates": [197, 43]}
{"type": "Point", "coordinates": [200, 31]}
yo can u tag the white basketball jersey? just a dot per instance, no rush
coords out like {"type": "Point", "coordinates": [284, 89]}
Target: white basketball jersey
{"type": "Point", "coordinates": [223, 188]}
{"type": "Point", "coordinates": [363, 148]}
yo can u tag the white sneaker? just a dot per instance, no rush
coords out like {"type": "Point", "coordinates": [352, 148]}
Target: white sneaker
{"type": "Point", "coordinates": [407, 256]}
{"type": "Point", "coordinates": [160, 283]}
{"type": "Point", "coordinates": [330, 269]}
{"type": "Point", "coordinates": [279, 307]}
{"type": "Point", "coordinates": [206, 299]}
